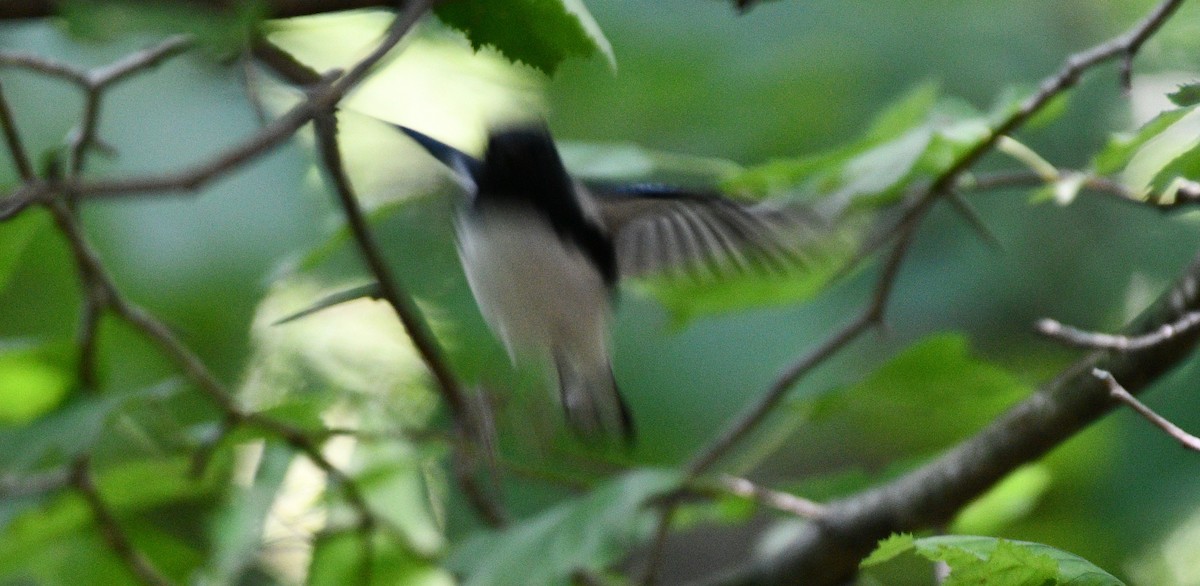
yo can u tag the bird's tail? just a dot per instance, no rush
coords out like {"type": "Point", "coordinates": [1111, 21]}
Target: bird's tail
{"type": "Point", "coordinates": [592, 402]}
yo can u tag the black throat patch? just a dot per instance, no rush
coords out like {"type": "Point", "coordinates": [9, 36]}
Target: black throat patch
{"type": "Point", "coordinates": [522, 170]}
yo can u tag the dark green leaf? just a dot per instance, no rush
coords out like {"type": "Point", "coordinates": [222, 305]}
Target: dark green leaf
{"type": "Point", "coordinates": [69, 430]}
{"type": "Point", "coordinates": [224, 32]}
{"type": "Point", "coordinates": [1186, 96]}
{"type": "Point", "coordinates": [14, 239]}
{"type": "Point", "coordinates": [925, 398]}
{"type": "Point", "coordinates": [589, 532]}
{"type": "Point", "coordinates": [341, 558]}
{"type": "Point", "coordinates": [540, 33]}
{"type": "Point", "coordinates": [139, 494]}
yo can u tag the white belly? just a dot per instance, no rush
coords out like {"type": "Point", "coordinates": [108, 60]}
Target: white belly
{"type": "Point", "coordinates": [535, 291]}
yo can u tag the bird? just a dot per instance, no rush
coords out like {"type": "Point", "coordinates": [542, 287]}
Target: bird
{"type": "Point", "coordinates": [544, 254]}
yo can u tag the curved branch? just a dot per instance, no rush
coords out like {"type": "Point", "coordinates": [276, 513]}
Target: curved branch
{"type": "Point", "coordinates": [828, 551]}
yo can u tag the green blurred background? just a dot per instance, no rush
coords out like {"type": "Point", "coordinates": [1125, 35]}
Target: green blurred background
{"type": "Point", "coordinates": [786, 79]}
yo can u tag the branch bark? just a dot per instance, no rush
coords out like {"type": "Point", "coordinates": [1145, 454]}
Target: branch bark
{"type": "Point", "coordinates": [275, 8]}
{"type": "Point", "coordinates": [828, 550]}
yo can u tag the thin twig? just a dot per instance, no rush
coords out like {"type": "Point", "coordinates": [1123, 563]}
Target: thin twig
{"type": "Point", "coordinates": [45, 66]}
{"type": "Point", "coordinates": [410, 316]}
{"type": "Point", "coordinates": [1119, 393]}
{"type": "Point", "coordinates": [12, 138]}
{"type": "Point", "coordinates": [110, 529]}
{"type": "Point", "coordinates": [1100, 341]}
{"type": "Point", "coordinates": [1090, 182]}
{"type": "Point", "coordinates": [13, 487]}
{"type": "Point", "coordinates": [267, 139]}
{"type": "Point", "coordinates": [778, 500]}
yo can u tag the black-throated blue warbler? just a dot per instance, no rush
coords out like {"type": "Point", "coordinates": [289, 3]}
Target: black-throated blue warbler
{"type": "Point", "coordinates": [543, 254]}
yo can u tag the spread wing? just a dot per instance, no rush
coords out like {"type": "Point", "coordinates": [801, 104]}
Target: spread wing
{"type": "Point", "coordinates": [671, 231]}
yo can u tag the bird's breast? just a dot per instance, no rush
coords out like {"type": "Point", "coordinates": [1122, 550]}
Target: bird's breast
{"type": "Point", "coordinates": [535, 289]}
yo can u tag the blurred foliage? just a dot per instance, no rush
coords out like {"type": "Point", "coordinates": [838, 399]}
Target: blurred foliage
{"type": "Point", "coordinates": [838, 106]}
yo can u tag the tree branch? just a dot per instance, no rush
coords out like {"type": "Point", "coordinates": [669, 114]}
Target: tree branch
{"type": "Point", "coordinates": [81, 478]}
{"type": "Point", "coordinates": [829, 549]}
{"type": "Point", "coordinates": [1098, 341]}
{"type": "Point", "coordinates": [100, 291]}
{"type": "Point", "coordinates": [836, 550]}
{"type": "Point", "coordinates": [274, 8]}
{"type": "Point", "coordinates": [410, 316]}
{"type": "Point", "coordinates": [1119, 393]}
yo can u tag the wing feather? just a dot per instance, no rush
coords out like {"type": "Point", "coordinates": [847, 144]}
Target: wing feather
{"type": "Point", "coordinates": [701, 234]}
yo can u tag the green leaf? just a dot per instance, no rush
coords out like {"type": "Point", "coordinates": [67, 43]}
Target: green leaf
{"type": "Point", "coordinates": [66, 432]}
{"type": "Point", "coordinates": [1011, 499]}
{"type": "Point", "coordinates": [158, 504]}
{"type": "Point", "coordinates": [339, 558]}
{"type": "Point", "coordinates": [909, 111]}
{"type": "Point", "coordinates": [1013, 97]}
{"type": "Point", "coordinates": [988, 560]}
{"type": "Point", "coordinates": [894, 545]}
{"type": "Point", "coordinates": [15, 238]}
{"type": "Point", "coordinates": [917, 139]}
{"type": "Point", "coordinates": [1008, 563]}
{"type": "Point", "coordinates": [540, 33]}
{"type": "Point", "coordinates": [394, 483]}
{"type": "Point", "coordinates": [820, 171]}
{"type": "Point", "coordinates": [589, 532]}
{"type": "Point", "coordinates": [224, 32]}
{"type": "Point", "coordinates": [1186, 96]}
{"type": "Point", "coordinates": [1160, 150]}
{"type": "Point", "coordinates": [238, 527]}
{"type": "Point", "coordinates": [935, 382]}
{"type": "Point", "coordinates": [1121, 147]}
{"type": "Point", "coordinates": [31, 384]}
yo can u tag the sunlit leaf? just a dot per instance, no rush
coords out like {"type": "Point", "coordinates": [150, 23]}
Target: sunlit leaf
{"type": "Point", "coordinates": [589, 532]}
{"type": "Point", "coordinates": [987, 560]}
{"type": "Point", "coordinates": [341, 558]}
{"type": "Point", "coordinates": [540, 33]}
{"type": "Point", "coordinates": [1121, 147]}
{"type": "Point", "coordinates": [238, 527]}
{"type": "Point", "coordinates": [890, 547]}
{"type": "Point", "coordinates": [917, 139]}
{"type": "Point", "coordinates": [1011, 499]}
{"type": "Point", "coordinates": [31, 384]}
{"type": "Point", "coordinates": [394, 483]}
{"type": "Point", "coordinates": [821, 170]}
{"type": "Point", "coordinates": [1159, 151]}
